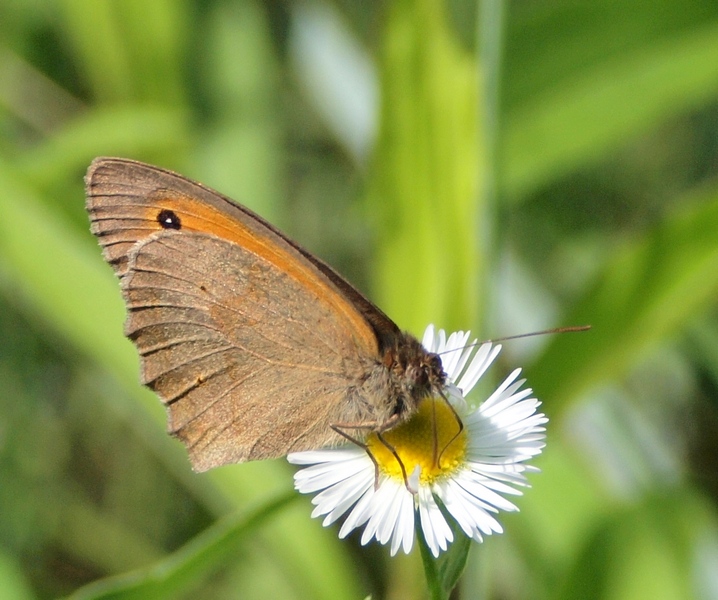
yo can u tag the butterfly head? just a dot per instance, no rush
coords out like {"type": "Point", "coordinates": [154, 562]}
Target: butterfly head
{"type": "Point", "coordinates": [415, 374]}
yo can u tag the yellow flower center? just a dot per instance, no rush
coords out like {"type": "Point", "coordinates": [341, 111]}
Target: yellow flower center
{"type": "Point", "coordinates": [432, 439]}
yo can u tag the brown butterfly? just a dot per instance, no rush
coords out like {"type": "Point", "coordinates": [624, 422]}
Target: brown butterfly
{"type": "Point", "coordinates": [256, 347]}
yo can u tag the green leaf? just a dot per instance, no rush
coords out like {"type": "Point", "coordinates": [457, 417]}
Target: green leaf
{"type": "Point", "coordinates": [581, 120]}
{"type": "Point", "coordinates": [648, 289]}
{"type": "Point", "coordinates": [13, 585]}
{"type": "Point", "coordinates": [126, 130]}
{"type": "Point", "coordinates": [643, 551]}
{"type": "Point", "coordinates": [60, 277]}
{"type": "Point", "coordinates": [179, 572]}
{"type": "Point", "coordinates": [128, 50]}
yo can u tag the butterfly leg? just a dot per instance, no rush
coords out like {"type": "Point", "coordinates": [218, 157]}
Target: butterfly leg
{"type": "Point", "coordinates": [459, 422]}
{"type": "Point", "coordinates": [378, 429]}
{"type": "Point", "coordinates": [391, 449]}
{"type": "Point", "coordinates": [353, 440]}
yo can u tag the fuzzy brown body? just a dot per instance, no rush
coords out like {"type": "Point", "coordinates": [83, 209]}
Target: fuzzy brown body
{"type": "Point", "coordinates": [390, 389]}
{"type": "Point", "coordinates": [256, 347]}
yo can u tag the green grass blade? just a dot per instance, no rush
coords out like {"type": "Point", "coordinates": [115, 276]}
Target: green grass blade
{"type": "Point", "coordinates": [648, 290]}
{"type": "Point", "coordinates": [205, 554]}
{"type": "Point", "coordinates": [581, 120]}
{"type": "Point", "coordinates": [426, 175]}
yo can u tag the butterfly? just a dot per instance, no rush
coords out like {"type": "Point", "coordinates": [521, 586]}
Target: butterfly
{"type": "Point", "coordinates": [256, 347]}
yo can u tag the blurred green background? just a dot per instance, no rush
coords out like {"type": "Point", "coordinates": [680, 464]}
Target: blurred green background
{"type": "Point", "coordinates": [499, 166]}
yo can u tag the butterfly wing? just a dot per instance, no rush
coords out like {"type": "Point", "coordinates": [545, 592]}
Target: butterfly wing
{"type": "Point", "coordinates": [123, 197]}
{"type": "Point", "coordinates": [250, 344]}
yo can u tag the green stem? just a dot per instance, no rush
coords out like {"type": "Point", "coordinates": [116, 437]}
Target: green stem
{"type": "Point", "coordinates": [442, 573]}
{"type": "Point", "coordinates": [431, 567]}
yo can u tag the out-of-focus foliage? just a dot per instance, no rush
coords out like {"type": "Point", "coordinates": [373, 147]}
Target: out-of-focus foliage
{"type": "Point", "coordinates": [504, 167]}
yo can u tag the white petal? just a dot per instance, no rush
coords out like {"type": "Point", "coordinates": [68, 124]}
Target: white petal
{"type": "Point", "coordinates": [311, 457]}
{"type": "Point", "coordinates": [455, 508]}
{"type": "Point", "coordinates": [322, 476]}
{"type": "Point", "coordinates": [437, 532]}
{"type": "Point", "coordinates": [388, 522]}
{"type": "Point", "coordinates": [360, 513]}
{"type": "Point", "coordinates": [482, 360]}
{"type": "Point", "coordinates": [496, 482]}
{"type": "Point", "coordinates": [428, 339]}
{"type": "Point", "coordinates": [502, 391]}
{"type": "Point", "coordinates": [441, 343]}
{"type": "Point", "coordinates": [465, 356]}
{"type": "Point", "coordinates": [452, 354]}
{"type": "Point", "coordinates": [342, 499]}
{"type": "Point", "coordinates": [412, 482]}
{"type": "Point", "coordinates": [500, 474]}
{"type": "Point", "coordinates": [469, 511]}
{"type": "Point", "coordinates": [383, 518]}
{"type": "Point", "coordinates": [475, 485]}
{"type": "Point", "coordinates": [404, 530]}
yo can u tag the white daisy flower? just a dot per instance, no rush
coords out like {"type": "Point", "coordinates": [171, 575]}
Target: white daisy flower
{"type": "Point", "coordinates": [477, 467]}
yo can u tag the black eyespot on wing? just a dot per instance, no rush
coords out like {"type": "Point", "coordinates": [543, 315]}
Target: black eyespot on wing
{"type": "Point", "coordinates": [168, 219]}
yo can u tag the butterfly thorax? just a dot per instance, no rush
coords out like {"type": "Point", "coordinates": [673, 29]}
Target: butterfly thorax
{"type": "Point", "coordinates": [414, 374]}
{"type": "Point", "coordinates": [395, 385]}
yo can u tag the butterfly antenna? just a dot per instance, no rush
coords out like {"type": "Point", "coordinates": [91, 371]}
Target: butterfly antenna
{"type": "Point", "coordinates": [571, 329]}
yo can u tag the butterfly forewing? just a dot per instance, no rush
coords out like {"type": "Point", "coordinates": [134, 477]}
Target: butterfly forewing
{"type": "Point", "coordinates": [243, 335]}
